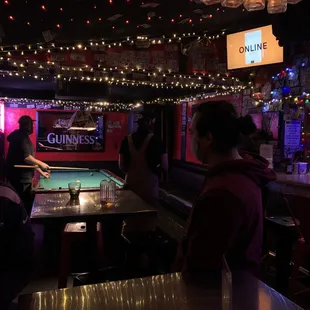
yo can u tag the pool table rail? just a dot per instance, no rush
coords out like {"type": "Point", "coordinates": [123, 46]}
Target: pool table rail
{"type": "Point", "coordinates": [37, 189]}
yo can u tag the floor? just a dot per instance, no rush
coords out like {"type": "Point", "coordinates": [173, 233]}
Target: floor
{"type": "Point", "coordinates": [43, 281]}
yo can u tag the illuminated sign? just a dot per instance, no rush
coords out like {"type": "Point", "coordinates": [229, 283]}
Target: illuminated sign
{"type": "Point", "coordinates": [255, 47]}
{"type": "Point", "coordinates": [78, 131]}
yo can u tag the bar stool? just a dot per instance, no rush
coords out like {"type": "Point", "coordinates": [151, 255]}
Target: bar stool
{"type": "Point", "coordinates": [300, 208]}
{"type": "Point", "coordinates": [74, 233]}
{"type": "Point", "coordinates": [285, 230]}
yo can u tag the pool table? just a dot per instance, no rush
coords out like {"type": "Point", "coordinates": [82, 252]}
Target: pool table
{"type": "Point", "coordinates": [58, 182]}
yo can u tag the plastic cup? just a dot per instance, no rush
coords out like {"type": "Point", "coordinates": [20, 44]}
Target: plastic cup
{"type": "Point", "coordinates": [74, 190]}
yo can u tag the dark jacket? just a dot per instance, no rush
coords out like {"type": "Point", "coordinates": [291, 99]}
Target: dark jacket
{"type": "Point", "coordinates": [20, 147]}
{"type": "Point", "coordinates": [227, 219]}
{"type": "Point", "coordinates": [16, 243]}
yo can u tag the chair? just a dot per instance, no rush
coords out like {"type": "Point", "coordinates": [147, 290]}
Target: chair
{"type": "Point", "coordinates": [299, 206]}
{"type": "Point", "coordinates": [284, 230]}
{"type": "Point", "coordinates": [74, 233]}
{"type": "Point", "coordinates": [152, 245]}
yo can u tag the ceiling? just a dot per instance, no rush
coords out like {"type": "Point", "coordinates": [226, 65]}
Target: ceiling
{"type": "Point", "coordinates": [24, 21]}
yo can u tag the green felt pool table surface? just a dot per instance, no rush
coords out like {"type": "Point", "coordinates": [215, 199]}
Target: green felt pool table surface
{"type": "Point", "coordinates": [91, 179]}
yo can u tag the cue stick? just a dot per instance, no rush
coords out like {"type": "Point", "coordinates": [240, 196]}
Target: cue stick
{"type": "Point", "coordinates": [50, 147]}
{"type": "Point", "coordinates": [51, 168]}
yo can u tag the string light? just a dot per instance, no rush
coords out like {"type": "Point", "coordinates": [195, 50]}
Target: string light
{"type": "Point", "coordinates": [178, 100]}
{"type": "Point", "coordinates": [135, 83]}
{"type": "Point", "coordinates": [103, 106]}
{"type": "Point", "coordinates": [124, 73]}
{"type": "Point", "coordinates": [175, 38]}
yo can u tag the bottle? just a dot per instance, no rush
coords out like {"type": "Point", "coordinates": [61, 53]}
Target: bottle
{"type": "Point", "coordinates": [289, 168]}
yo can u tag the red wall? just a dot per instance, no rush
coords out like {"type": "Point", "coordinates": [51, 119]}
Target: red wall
{"type": "Point", "coordinates": [112, 143]}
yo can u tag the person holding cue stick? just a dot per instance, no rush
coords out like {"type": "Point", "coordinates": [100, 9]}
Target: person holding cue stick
{"type": "Point", "coordinates": [21, 152]}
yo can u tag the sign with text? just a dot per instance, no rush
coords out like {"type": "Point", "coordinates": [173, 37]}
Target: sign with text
{"type": "Point", "coordinates": [292, 137]}
{"type": "Point", "coordinates": [70, 131]}
{"type": "Point", "coordinates": [255, 47]}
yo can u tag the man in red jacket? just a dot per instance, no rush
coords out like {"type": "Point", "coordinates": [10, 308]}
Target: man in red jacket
{"type": "Point", "coordinates": [227, 218]}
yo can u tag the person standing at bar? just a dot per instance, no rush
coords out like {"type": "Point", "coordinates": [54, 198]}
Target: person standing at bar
{"type": "Point", "coordinates": [21, 152]}
{"type": "Point", "coordinates": [142, 156]}
{"type": "Point", "coordinates": [227, 218]}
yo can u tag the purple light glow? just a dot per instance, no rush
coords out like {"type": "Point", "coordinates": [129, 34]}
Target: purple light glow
{"type": "Point", "coordinates": [1, 116]}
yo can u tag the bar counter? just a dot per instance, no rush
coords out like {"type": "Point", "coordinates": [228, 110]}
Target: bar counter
{"type": "Point", "coordinates": [291, 184]}
{"type": "Point", "coordinates": [164, 292]}
{"type": "Point", "coordinates": [294, 179]}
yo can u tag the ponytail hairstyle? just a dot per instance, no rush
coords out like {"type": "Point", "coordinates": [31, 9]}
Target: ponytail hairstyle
{"type": "Point", "coordinates": [221, 120]}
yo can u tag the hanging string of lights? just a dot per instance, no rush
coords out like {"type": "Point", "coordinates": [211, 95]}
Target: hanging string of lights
{"type": "Point", "coordinates": [273, 6]}
{"type": "Point", "coordinates": [103, 106]}
{"type": "Point", "coordinates": [300, 101]}
{"type": "Point", "coordinates": [101, 45]}
{"type": "Point", "coordinates": [55, 68]}
{"type": "Point", "coordinates": [200, 96]}
{"type": "Point", "coordinates": [127, 82]}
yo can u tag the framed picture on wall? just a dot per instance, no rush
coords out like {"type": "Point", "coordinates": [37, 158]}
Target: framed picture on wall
{"type": "Point", "coordinates": [70, 131]}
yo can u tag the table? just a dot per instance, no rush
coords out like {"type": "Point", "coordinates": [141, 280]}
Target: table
{"type": "Point", "coordinates": [57, 207]}
{"type": "Point", "coordinates": [51, 206]}
{"type": "Point", "coordinates": [90, 180]}
{"type": "Point", "coordinates": [294, 179]}
{"type": "Point", "coordinates": [165, 292]}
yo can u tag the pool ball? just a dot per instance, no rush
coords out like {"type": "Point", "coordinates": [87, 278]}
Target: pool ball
{"type": "Point", "coordinates": [91, 174]}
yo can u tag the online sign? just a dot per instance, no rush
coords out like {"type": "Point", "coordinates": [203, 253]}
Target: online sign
{"type": "Point", "coordinates": [79, 131]}
{"type": "Point", "coordinates": [255, 47]}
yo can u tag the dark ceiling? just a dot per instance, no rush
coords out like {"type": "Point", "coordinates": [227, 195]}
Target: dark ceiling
{"type": "Point", "coordinates": [24, 21]}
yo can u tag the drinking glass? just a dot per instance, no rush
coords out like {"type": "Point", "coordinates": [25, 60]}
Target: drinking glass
{"type": "Point", "coordinates": [74, 190]}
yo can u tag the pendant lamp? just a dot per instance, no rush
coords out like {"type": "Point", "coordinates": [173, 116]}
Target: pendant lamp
{"type": "Point", "coordinates": [293, 1]}
{"type": "Point", "coordinates": [81, 120]}
{"type": "Point", "coordinates": [276, 6]}
{"type": "Point", "coordinates": [210, 2]}
{"type": "Point", "coordinates": [254, 5]}
{"type": "Point", "coordinates": [231, 3]}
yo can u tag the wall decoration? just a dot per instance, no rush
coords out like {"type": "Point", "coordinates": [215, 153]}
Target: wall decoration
{"type": "Point", "coordinates": [79, 131]}
{"type": "Point", "coordinates": [292, 137]}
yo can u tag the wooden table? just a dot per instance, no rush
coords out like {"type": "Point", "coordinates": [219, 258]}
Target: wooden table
{"type": "Point", "coordinates": [57, 208]}
{"type": "Point", "coordinates": [164, 292]}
